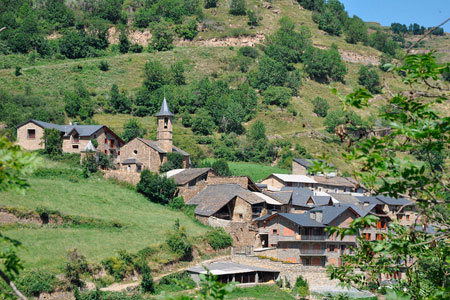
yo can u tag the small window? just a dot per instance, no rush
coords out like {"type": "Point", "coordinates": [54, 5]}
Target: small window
{"type": "Point", "coordinates": [118, 152]}
{"type": "Point", "coordinates": [135, 152]}
{"type": "Point", "coordinates": [106, 151]}
{"type": "Point", "coordinates": [106, 141]}
{"type": "Point", "coordinates": [407, 217]}
{"type": "Point", "coordinates": [95, 136]}
{"type": "Point", "coordinates": [111, 143]}
{"type": "Point", "coordinates": [275, 231]}
{"type": "Point", "coordinates": [165, 122]}
{"type": "Point", "coordinates": [332, 248]}
{"type": "Point", "coordinates": [74, 146]}
{"type": "Point", "coordinates": [31, 134]}
{"type": "Point", "coordinates": [241, 216]}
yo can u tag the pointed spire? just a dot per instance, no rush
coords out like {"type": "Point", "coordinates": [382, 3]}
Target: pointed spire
{"type": "Point", "coordinates": [165, 111]}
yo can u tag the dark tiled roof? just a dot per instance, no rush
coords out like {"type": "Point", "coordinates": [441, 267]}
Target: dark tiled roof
{"type": "Point", "coordinates": [393, 201]}
{"type": "Point", "coordinates": [329, 213]}
{"type": "Point", "coordinates": [82, 130]}
{"type": "Point", "coordinates": [368, 199]}
{"type": "Point", "coordinates": [131, 161]}
{"type": "Point", "coordinates": [308, 163]}
{"type": "Point", "coordinates": [334, 181]}
{"type": "Point", "coordinates": [363, 210]}
{"type": "Point", "coordinates": [227, 267]}
{"type": "Point", "coordinates": [178, 150]}
{"type": "Point", "coordinates": [321, 200]}
{"type": "Point", "coordinates": [299, 195]}
{"type": "Point", "coordinates": [345, 198]}
{"type": "Point", "coordinates": [212, 198]}
{"type": "Point", "coordinates": [282, 197]}
{"type": "Point", "coordinates": [165, 111]}
{"type": "Point", "coordinates": [152, 144]}
{"type": "Point", "coordinates": [262, 218]}
{"type": "Point", "coordinates": [187, 175]}
{"type": "Point", "coordinates": [303, 220]}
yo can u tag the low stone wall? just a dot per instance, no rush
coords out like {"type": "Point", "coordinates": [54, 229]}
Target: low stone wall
{"type": "Point", "coordinates": [132, 178]}
{"type": "Point", "coordinates": [241, 232]}
{"type": "Point", "coordinates": [240, 180]}
{"type": "Point", "coordinates": [316, 276]}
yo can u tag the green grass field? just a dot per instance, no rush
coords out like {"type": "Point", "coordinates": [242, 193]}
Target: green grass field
{"type": "Point", "coordinates": [255, 171]}
{"type": "Point", "coordinates": [265, 292]}
{"type": "Point", "coordinates": [145, 223]}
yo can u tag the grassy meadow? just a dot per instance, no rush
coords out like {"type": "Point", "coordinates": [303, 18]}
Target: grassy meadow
{"type": "Point", "coordinates": [143, 223]}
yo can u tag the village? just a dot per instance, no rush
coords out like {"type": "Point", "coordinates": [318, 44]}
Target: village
{"type": "Point", "coordinates": [278, 225]}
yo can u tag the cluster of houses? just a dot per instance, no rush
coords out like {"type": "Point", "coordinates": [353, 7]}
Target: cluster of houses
{"type": "Point", "coordinates": [283, 217]}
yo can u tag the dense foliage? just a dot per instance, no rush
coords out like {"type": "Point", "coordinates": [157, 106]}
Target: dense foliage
{"type": "Point", "coordinates": [368, 78]}
{"type": "Point", "coordinates": [178, 242]}
{"type": "Point", "coordinates": [53, 142]}
{"type": "Point", "coordinates": [156, 188]}
{"type": "Point", "coordinates": [321, 106]}
{"type": "Point", "coordinates": [174, 161]}
{"type": "Point", "coordinates": [132, 129]}
{"type": "Point", "coordinates": [219, 239]}
{"type": "Point", "coordinates": [35, 282]}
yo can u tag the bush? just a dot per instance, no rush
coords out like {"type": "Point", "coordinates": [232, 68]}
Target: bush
{"type": "Point", "coordinates": [277, 95]}
{"type": "Point", "coordinates": [248, 51]}
{"type": "Point", "coordinates": [203, 123]}
{"type": "Point", "coordinates": [177, 203]}
{"type": "Point", "coordinates": [211, 3]}
{"type": "Point", "coordinates": [119, 102]}
{"type": "Point", "coordinates": [136, 48]}
{"type": "Point", "coordinates": [368, 77]}
{"type": "Point", "coordinates": [356, 31]}
{"type": "Point", "coordinates": [35, 282]}
{"type": "Point", "coordinates": [221, 167]}
{"type": "Point", "coordinates": [325, 65]}
{"type": "Point", "coordinates": [253, 18]}
{"type": "Point", "coordinates": [382, 41]}
{"type": "Point", "coordinates": [147, 283]}
{"type": "Point", "coordinates": [53, 142]}
{"type": "Point", "coordinates": [188, 31]}
{"type": "Point", "coordinates": [103, 66]}
{"type": "Point", "coordinates": [73, 44]}
{"type": "Point", "coordinates": [186, 120]}
{"type": "Point", "coordinates": [124, 42]}
{"type": "Point", "coordinates": [219, 239]}
{"type": "Point", "coordinates": [18, 70]}
{"type": "Point", "coordinates": [270, 72]}
{"type": "Point", "coordinates": [162, 37]}
{"type": "Point", "coordinates": [237, 7]}
{"type": "Point", "coordinates": [178, 242]}
{"type": "Point", "coordinates": [132, 129]}
{"type": "Point", "coordinates": [301, 287]}
{"type": "Point", "coordinates": [75, 267]}
{"type": "Point", "coordinates": [321, 107]}
{"type": "Point", "coordinates": [174, 161]}
{"type": "Point", "coordinates": [156, 188]}
{"type": "Point", "coordinates": [89, 165]}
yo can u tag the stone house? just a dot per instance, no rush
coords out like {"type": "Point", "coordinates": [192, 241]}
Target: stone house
{"type": "Point", "coordinates": [141, 153]}
{"type": "Point", "coordinates": [399, 209]}
{"type": "Point", "coordinates": [190, 181]}
{"type": "Point", "coordinates": [75, 137]}
{"type": "Point", "coordinates": [335, 185]}
{"type": "Point", "coordinates": [277, 181]}
{"type": "Point", "coordinates": [301, 238]}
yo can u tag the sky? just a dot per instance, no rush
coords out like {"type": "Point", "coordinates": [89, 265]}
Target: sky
{"type": "Point", "coordinates": [427, 13]}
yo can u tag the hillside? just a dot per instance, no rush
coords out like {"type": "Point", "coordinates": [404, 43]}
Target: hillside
{"type": "Point", "coordinates": [111, 218]}
{"type": "Point", "coordinates": [212, 53]}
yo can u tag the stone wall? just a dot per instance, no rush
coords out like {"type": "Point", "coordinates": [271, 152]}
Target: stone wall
{"type": "Point", "coordinates": [188, 192]}
{"type": "Point", "coordinates": [298, 169]}
{"type": "Point", "coordinates": [132, 178]}
{"type": "Point", "coordinates": [316, 276]}
{"type": "Point", "coordinates": [243, 234]}
{"type": "Point", "coordinates": [241, 180]}
{"type": "Point", "coordinates": [30, 143]}
{"type": "Point", "coordinates": [149, 158]}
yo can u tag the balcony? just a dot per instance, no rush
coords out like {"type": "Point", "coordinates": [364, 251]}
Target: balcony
{"type": "Point", "coordinates": [313, 237]}
{"type": "Point", "coordinates": [312, 251]}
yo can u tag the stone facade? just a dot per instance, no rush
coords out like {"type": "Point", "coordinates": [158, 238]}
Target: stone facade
{"type": "Point", "coordinates": [149, 157]}
{"type": "Point", "coordinates": [298, 169]}
{"type": "Point", "coordinates": [187, 191]}
{"type": "Point", "coordinates": [243, 234]}
{"type": "Point", "coordinates": [29, 136]}
{"type": "Point", "coordinates": [129, 177]}
{"type": "Point", "coordinates": [273, 182]}
{"type": "Point", "coordinates": [164, 133]}
{"type": "Point", "coordinates": [240, 180]}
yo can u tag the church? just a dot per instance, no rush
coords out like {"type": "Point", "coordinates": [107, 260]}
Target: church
{"type": "Point", "coordinates": [139, 153]}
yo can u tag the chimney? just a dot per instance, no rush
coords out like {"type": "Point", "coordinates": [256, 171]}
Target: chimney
{"type": "Point", "coordinates": [319, 216]}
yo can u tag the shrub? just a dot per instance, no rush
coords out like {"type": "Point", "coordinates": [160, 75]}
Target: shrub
{"type": "Point", "coordinates": [382, 41]}
{"type": "Point", "coordinates": [136, 48]}
{"type": "Point", "coordinates": [105, 161]}
{"type": "Point", "coordinates": [325, 65]}
{"type": "Point", "coordinates": [301, 287]}
{"type": "Point", "coordinates": [103, 66]}
{"type": "Point", "coordinates": [174, 161]}
{"type": "Point", "coordinates": [119, 102]}
{"type": "Point", "coordinates": [253, 18]}
{"type": "Point", "coordinates": [35, 282]}
{"type": "Point", "coordinates": [177, 203]}
{"type": "Point", "coordinates": [177, 73]}
{"type": "Point", "coordinates": [248, 51]}
{"type": "Point", "coordinates": [73, 44]}
{"type": "Point", "coordinates": [132, 129]}
{"type": "Point", "coordinates": [75, 267]}
{"type": "Point", "coordinates": [162, 36]}
{"type": "Point", "coordinates": [53, 142]}
{"type": "Point", "coordinates": [124, 42]}
{"type": "Point", "coordinates": [277, 95]}
{"type": "Point", "coordinates": [219, 239]}
{"type": "Point", "coordinates": [188, 31]}
{"type": "Point", "coordinates": [186, 120]}
{"type": "Point", "coordinates": [176, 282]}
{"type": "Point", "coordinates": [203, 123]}
{"type": "Point", "coordinates": [178, 242]}
{"type": "Point", "coordinates": [211, 3]}
{"type": "Point", "coordinates": [156, 188]}
{"type": "Point", "coordinates": [356, 31]}
{"type": "Point", "coordinates": [89, 165]}
{"type": "Point", "coordinates": [237, 7]}
{"type": "Point", "coordinates": [18, 70]}
{"type": "Point", "coordinates": [221, 167]}
{"type": "Point", "coordinates": [147, 283]}
{"type": "Point", "coordinates": [321, 107]}
{"type": "Point", "coordinates": [368, 77]}
{"type": "Point", "coordinates": [270, 72]}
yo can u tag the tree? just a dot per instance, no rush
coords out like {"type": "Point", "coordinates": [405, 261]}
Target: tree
{"type": "Point", "coordinates": [277, 95]}
{"type": "Point", "coordinates": [253, 18]}
{"type": "Point", "coordinates": [270, 72]}
{"type": "Point", "coordinates": [237, 7]}
{"type": "Point", "coordinates": [221, 167]}
{"type": "Point", "coordinates": [124, 42]}
{"type": "Point", "coordinates": [156, 188]}
{"type": "Point", "coordinates": [174, 161]}
{"type": "Point", "coordinates": [78, 102]}
{"type": "Point", "coordinates": [177, 73]}
{"type": "Point", "coordinates": [381, 41]}
{"type": "Point", "coordinates": [321, 107]}
{"type": "Point", "coordinates": [132, 129]}
{"type": "Point", "coordinates": [325, 65]}
{"type": "Point", "coordinates": [89, 165]}
{"type": "Point", "coordinates": [356, 31]}
{"type": "Point", "coordinates": [155, 75]}
{"type": "Point", "coordinates": [111, 10]}
{"type": "Point", "coordinates": [147, 283]}
{"type": "Point", "coordinates": [211, 3]}
{"type": "Point", "coordinates": [368, 77]}
{"type": "Point", "coordinates": [178, 242]}
{"type": "Point", "coordinates": [203, 123]}
{"type": "Point", "coordinates": [386, 167]}
{"type": "Point", "coordinates": [53, 141]}
{"type": "Point", "coordinates": [73, 44]}
{"type": "Point", "coordinates": [162, 36]}
{"type": "Point", "coordinates": [119, 102]}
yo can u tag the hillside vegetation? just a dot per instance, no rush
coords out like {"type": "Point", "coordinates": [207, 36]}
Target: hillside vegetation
{"type": "Point", "coordinates": [211, 80]}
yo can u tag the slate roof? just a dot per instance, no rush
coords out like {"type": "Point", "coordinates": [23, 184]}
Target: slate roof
{"type": "Point", "coordinates": [334, 181]}
{"type": "Point", "coordinates": [303, 220]}
{"type": "Point", "coordinates": [308, 163]}
{"type": "Point", "coordinates": [82, 130]}
{"type": "Point", "coordinates": [329, 213]}
{"type": "Point", "coordinates": [345, 198]}
{"type": "Point", "coordinates": [363, 210]}
{"type": "Point", "coordinates": [152, 144]}
{"type": "Point", "coordinates": [284, 197]}
{"type": "Point", "coordinates": [227, 267]}
{"type": "Point", "coordinates": [321, 200]}
{"type": "Point", "coordinates": [368, 199]}
{"type": "Point", "coordinates": [393, 201]}
{"type": "Point", "coordinates": [262, 218]}
{"type": "Point", "coordinates": [187, 175]}
{"type": "Point", "coordinates": [165, 111]}
{"type": "Point", "coordinates": [212, 198]}
{"type": "Point", "coordinates": [299, 195]}
{"type": "Point", "coordinates": [176, 149]}
{"type": "Point", "coordinates": [131, 161]}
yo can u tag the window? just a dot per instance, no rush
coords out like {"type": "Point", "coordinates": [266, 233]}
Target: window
{"type": "Point", "coordinates": [275, 231]}
{"type": "Point", "coordinates": [74, 146]}
{"type": "Point", "coordinates": [106, 151]}
{"type": "Point", "coordinates": [367, 236]}
{"type": "Point", "coordinates": [283, 245]}
{"type": "Point", "coordinates": [76, 138]}
{"type": "Point", "coordinates": [400, 217]}
{"type": "Point", "coordinates": [118, 152]}
{"type": "Point", "coordinates": [31, 134]}
{"type": "Point", "coordinates": [379, 237]}
{"type": "Point", "coordinates": [407, 217]}
{"type": "Point", "coordinates": [95, 136]}
{"type": "Point", "coordinates": [106, 141]}
{"type": "Point", "coordinates": [135, 152]}
{"type": "Point", "coordinates": [111, 143]}
{"type": "Point", "coordinates": [241, 216]}
{"type": "Point", "coordinates": [165, 122]}
{"type": "Point", "coordinates": [332, 248]}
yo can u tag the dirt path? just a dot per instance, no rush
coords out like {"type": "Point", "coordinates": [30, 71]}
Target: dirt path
{"type": "Point", "coordinates": [118, 287]}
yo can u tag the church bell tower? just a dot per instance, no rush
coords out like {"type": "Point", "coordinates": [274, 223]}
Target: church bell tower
{"type": "Point", "coordinates": [164, 131]}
